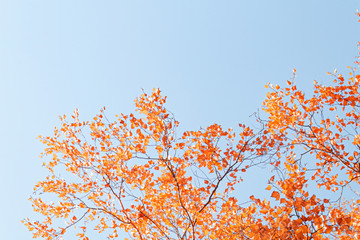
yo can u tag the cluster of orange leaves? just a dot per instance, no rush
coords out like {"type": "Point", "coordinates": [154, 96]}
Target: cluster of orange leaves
{"type": "Point", "coordinates": [136, 175]}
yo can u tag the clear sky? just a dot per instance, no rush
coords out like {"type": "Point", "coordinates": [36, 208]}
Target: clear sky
{"type": "Point", "coordinates": [211, 58]}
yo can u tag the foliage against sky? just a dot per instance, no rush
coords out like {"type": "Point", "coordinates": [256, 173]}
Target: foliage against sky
{"type": "Point", "coordinates": [60, 55]}
{"type": "Point", "coordinates": [139, 174]}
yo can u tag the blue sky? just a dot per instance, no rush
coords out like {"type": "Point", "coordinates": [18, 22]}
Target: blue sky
{"type": "Point", "coordinates": [211, 58]}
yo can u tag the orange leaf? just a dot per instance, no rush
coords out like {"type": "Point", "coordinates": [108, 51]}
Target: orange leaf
{"type": "Point", "coordinates": [276, 195]}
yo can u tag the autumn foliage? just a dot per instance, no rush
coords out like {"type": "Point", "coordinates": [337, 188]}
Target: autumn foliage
{"type": "Point", "coordinates": [138, 174]}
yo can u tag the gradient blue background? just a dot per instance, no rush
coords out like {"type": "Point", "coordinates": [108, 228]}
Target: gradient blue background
{"type": "Point", "coordinates": [211, 58]}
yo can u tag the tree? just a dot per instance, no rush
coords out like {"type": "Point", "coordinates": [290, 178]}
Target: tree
{"type": "Point", "coordinates": [136, 174]}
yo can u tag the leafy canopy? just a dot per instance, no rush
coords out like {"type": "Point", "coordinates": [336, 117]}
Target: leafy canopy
{"type": "Point", "coordinates": [138, 174]}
